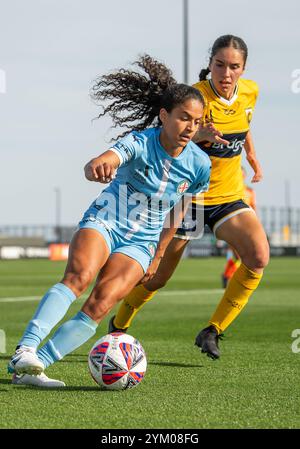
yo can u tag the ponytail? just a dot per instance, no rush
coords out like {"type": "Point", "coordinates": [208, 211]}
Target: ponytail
{"type": "Point", "coordinates": [203, 74]}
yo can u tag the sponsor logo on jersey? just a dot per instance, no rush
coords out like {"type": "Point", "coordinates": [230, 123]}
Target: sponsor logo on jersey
{"type": "Point", "coordinates": [235, 145]}
{"type": "Point", "coordinates": [229, 111]}
{"type": "Point", "coordinates": [234, 148]}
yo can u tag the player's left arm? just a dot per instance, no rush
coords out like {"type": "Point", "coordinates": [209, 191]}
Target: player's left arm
{"type": "Point", "coordinates": [171, 224]}
{"type": "Point", "coordinates": [252, 158]}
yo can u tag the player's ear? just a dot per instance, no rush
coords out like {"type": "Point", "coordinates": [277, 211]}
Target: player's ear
{"type": "Point", "coordinates": [163, 115]}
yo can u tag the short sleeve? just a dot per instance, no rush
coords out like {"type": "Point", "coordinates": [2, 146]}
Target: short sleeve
{"type": "Point", "coordinates": [128, 148]}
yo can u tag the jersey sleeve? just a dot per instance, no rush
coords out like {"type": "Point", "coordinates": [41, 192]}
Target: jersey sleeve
{"type": "Point", "coordinates": [128, 148]}
{"type": "Point", "coordinates": [201, 183]}
{"type": "Point", "coordinates": [252, 91]}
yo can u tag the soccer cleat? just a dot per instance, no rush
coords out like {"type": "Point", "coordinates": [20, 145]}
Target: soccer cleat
{"type": "Point", "coordinates": [113, 328]}
{"type": "Point", "coordinates": [41, 380]}
{"type": "Point", "coordinates": [25, 361]}
{"type": "Point", "coordinates": [208, 340]}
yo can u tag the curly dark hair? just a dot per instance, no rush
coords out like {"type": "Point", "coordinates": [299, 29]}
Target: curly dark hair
{"type": "Point", "coordinates": [141, 95]}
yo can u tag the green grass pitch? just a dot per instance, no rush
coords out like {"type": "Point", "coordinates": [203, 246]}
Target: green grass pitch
{"type": "Point", "coordinates": [255, 384]}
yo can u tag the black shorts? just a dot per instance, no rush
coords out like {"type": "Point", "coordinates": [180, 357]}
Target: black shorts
{"type": "Point", "coordinates": [213, 216]}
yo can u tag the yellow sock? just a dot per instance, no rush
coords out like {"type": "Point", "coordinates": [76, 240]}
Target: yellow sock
{"type": "Point", "coordinates": [130, 306]}
{"type": "Point", "coordinates": [239, 289]}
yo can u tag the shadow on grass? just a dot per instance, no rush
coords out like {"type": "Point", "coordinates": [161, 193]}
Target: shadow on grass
{"type": "Point", "coordinates": [177, 365]}
{"type": "Point", "coordinates": [70, 388]}
{"type": "Point", "coordinates": [5, 381]}
{"type": "Point", "coordinates": [62, 389]}
{"type": "Point", "coordinates": [78, 359]}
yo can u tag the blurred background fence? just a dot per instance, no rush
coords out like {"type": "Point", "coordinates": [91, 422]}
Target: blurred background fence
{"type": "Point", "coordinates": [282, 226]}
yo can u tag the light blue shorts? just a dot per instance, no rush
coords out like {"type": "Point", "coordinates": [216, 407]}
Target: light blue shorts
{"type": "Point", "coordinates": [142, 252]}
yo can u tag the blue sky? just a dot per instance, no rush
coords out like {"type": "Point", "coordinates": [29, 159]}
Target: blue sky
{"type": "Point", "coordinates": [51, 51]}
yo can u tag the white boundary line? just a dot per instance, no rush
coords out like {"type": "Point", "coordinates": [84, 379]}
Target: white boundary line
{"type": "Point", "coordinates": [204, 291]}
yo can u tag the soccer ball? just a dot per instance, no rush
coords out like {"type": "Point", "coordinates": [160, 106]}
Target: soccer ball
{"type": "Point", "coordinates": [117, 361]}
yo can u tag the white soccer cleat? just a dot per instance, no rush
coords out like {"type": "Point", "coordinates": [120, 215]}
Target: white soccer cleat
{"type": "Point", "coordinates": [25, 361]}
{"type": "Point", "coordinates": [41, 380]}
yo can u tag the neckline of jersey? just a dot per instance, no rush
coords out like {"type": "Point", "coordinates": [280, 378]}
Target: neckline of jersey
{"type": "Point", "coordinates": [165, 153]}
{"type": "Point", "coordinates": [222, 99]}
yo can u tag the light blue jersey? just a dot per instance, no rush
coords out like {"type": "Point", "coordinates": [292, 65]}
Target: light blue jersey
{"type": "Point", "coordinates": [149, 182]}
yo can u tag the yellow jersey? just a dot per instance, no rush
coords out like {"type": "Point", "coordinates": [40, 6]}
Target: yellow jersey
{"type": "Point", "coordinates": [231, 117]}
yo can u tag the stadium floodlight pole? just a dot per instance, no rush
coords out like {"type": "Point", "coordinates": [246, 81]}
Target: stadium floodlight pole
{"type": "Point", "coordinates": [58, 214]}
{"type": "Point", "coordinates": [185, 41]}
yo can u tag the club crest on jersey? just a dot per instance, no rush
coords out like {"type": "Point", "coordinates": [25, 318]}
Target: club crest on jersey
{"type": "Point", "coordinates": [183, 186]}
{"type": "Point", "coordinates": [152, 249]}
{"type": "Point", "coordinates": [249, 113]}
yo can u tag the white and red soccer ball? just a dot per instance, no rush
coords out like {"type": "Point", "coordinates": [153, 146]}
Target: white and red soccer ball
{"type": "Point", "coordinates": [117, 361]}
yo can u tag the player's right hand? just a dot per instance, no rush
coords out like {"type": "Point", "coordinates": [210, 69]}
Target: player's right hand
{"type": "Point", "coordinates": [209, 133]}
{"type": "Point", "coordinates": [99, 171]}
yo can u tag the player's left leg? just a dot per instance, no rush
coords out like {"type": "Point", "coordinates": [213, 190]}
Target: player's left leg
{"type": "Point", "coordinates": [246, 235]}
{"type": "Point", "coordinates": [142, 294]}
{"type": "Point", "coordinates": [119, 275]}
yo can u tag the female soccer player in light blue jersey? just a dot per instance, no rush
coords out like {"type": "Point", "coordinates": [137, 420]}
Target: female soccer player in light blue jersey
{"type": "Point", "coordinates": [125, 231]}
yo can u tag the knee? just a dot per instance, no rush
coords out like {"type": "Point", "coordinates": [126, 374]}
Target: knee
{"type": "Point", "coordinates": [97, 310]}
{"type": "Point", "coordinates": [156, 283]}
{"type": "Point", "coordinates": [100, 303]}
{"type": "Point", "coordinates": [259, 258]}
{"type": "Point", "coordinates": [78, 282]}
{"type": "Point", "coordinates": [263, 255]}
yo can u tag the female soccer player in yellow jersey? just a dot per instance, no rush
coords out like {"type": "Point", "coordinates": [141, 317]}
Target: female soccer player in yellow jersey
{"type": "Point", "coordinates": [230, 104]}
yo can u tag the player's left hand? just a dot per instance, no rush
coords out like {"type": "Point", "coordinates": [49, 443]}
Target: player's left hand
{"type": "Point", "coordinates": [258, 175]}
{"type": "Point", "coordinates": [152, 269]}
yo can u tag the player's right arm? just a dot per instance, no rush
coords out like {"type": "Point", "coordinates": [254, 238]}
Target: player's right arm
{"type": "Point", "coordinates": [102, 168]}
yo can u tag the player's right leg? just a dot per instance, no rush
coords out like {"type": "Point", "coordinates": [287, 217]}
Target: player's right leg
{"type": "Point", "coordinates": [89, 251]}
{"type": "Point", "coordinates": [142, 293]}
